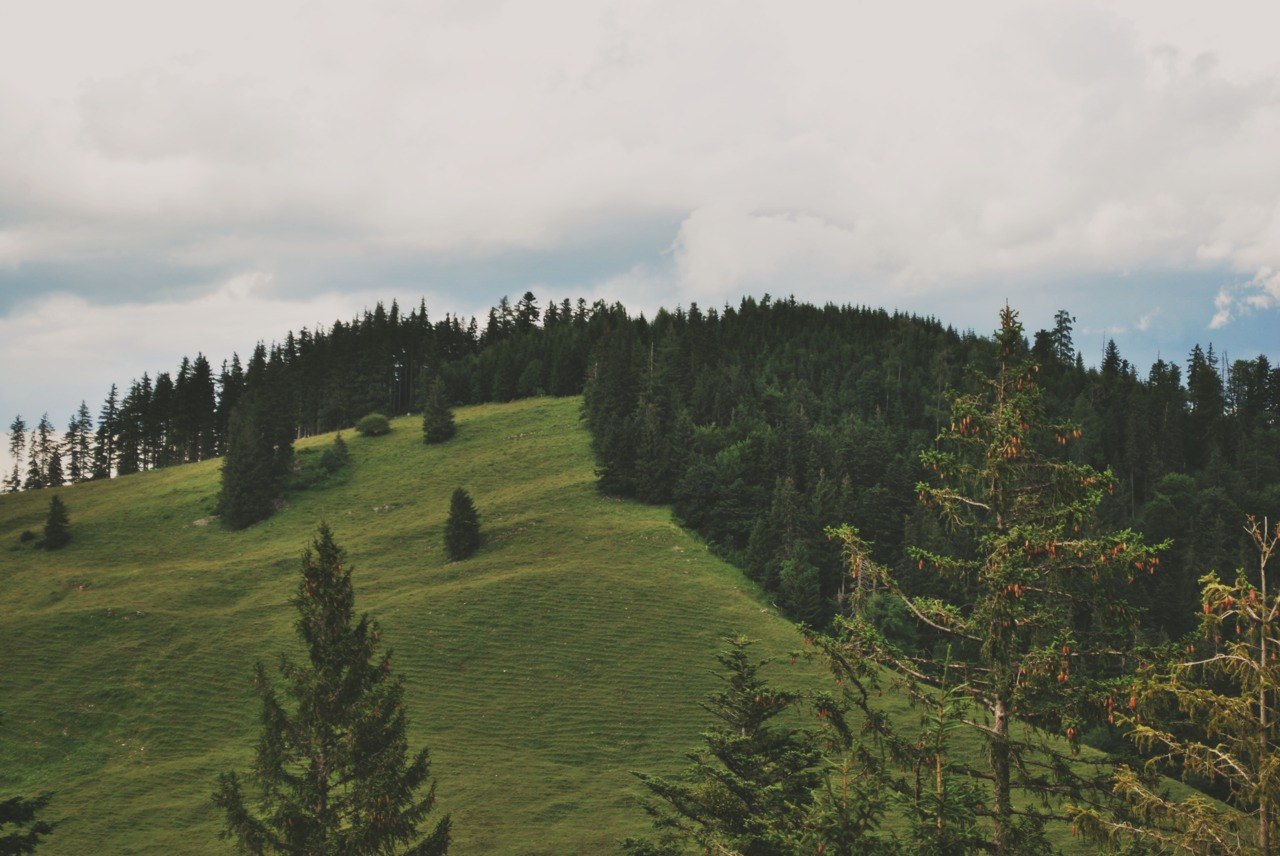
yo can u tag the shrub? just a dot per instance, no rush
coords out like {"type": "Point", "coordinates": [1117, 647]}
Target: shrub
{"type": "Point", "coordinates": [26, 536]}
{"type": "Point", "coordinates": [462, 531]}
{"type": "Point", "coordinates": [373, 425]}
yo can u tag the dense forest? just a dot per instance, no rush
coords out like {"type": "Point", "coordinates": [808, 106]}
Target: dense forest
{"type": "Point", "coordinates": [762, 424]}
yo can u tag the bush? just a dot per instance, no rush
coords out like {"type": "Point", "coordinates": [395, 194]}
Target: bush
{"type": "Point", "coordinates": [373, 425]}
{"type": "Point", "coordinates": [462, 531]}
{"type": "Point", "coordinates": [27, 536]}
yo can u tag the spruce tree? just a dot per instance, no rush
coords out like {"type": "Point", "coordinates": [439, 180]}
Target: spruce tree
{"type": "Point", "coordinates": [57, 525]}
{"type": "Point", "coordinates": [17, 447]}
{"type": "Point", "coordinates": [749, 790]}
{"type": "Point", "coordinates": [462, 531]}
{"type": "Point", "coordinates": [333, 773]}
{"type": "Point", "coordinates": [437, 418]}
{"type": "Point", "coordinates": [254, 469]}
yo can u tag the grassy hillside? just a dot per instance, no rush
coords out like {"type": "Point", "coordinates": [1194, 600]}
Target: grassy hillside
{"type": "Point", "coordinates": [574, 647]}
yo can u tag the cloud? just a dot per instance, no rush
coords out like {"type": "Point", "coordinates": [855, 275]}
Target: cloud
{"type": "Point", "coordinates": [1259, 293]}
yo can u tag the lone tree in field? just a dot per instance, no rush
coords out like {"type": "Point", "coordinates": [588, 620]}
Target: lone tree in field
{"type": "Point", "coordinates": [437, 418]}
{"type": "Point", "coordinates": [1037, 615]}
{"type": "Point", "coordinates": [462, 531]}
{"type": "Point", "coordinates": [332, 773]}
{"type": "Point", "coordinates": [1212, 707]}
{"type": "Point", "coordinates": [57, 525]}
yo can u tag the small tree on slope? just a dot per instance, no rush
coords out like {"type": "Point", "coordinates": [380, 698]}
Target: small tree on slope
{"type": "Point", "coordinates": [332, 774]}
{"type": "Point", "coordinates": [57, 526]}
{"type": "Point", "coordinates": [437, 418]}
{"type": "Point", "coordinates": [462, 531]}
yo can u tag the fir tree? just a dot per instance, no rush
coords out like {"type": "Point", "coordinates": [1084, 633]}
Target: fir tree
{"type": "Point", "coordinates": [259, 455]}
{"type": "Point", "coordinates": [104, 448]}
{"type": "Point", "coordinates": [462, 530]}
{"type": "Point", "coordinates": [437, 418]}
{"type": "Point", "coordinates": [333, 774]}
{"type": "Point", "coordinates": [57, 525]}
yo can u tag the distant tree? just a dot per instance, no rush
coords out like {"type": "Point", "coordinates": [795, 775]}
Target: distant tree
{"type": "Point", "coordinates": [462, 530]}
{"type": "Point", "coordinates": [17, 448]}
{"type": "Point", "coordinates": [76, 442]}
{"type": "Point", "coordinates": [104, 447]}
{"type": "Point", "coordinates": [57, 525]}
{"type": "Point", "coordinates": [749, 790]}
{"type": "Point", "coordinates": [332, 773]}
{"type": "Point", "coordinates": [20, 828]}
{"type": "Point", "coordinates": [373, 425]}
{"type": "Point", "coordinates": [437, 418]}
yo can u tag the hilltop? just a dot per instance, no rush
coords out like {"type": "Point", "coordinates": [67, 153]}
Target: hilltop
{"type": "Point", "coordinates": [575, 646]}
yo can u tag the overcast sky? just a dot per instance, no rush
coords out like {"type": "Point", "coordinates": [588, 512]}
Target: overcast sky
{"type": "Point", "coordinates": [182, 177]}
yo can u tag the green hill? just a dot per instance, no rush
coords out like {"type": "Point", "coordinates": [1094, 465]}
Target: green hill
{"type": "Point", "coordinates": [574, 647]}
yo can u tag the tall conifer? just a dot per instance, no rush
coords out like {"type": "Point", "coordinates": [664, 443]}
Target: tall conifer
{"type": "Point", "coordinates": [333, 773]}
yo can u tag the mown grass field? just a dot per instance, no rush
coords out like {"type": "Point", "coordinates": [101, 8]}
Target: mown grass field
{"type": "Point", "coordinates": [575, 647]}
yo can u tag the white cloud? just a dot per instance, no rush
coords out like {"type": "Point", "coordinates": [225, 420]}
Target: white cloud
{"type": "Point", "coordinates": [1259, 293]}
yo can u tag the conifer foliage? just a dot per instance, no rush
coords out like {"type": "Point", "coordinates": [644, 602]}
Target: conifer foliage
{"type": "Point", "coordinates": [57, 525]}
{"type": "Point", "coordinates": [749, 790]}
{"type": "Point", "coordinates": [437, 418]}
{"type": "Point", "coordinates": [332, 773]}
{"type": "Point", "coordinates": [462, 530]}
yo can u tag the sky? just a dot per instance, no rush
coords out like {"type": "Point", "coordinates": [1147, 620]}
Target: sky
{"type": "Point", "coordinates": [179, 178]}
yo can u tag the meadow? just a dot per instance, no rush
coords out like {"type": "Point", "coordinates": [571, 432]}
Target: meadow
{"type": "Point", "coordinates": [573, 648]}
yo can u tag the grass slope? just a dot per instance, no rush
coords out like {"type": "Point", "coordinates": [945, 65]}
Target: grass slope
{"type": "Point", "coordinates": [574, 647]}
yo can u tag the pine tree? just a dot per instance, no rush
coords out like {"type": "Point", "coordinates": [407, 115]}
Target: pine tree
{"type": "Point", "coordinates": [333, 774]}
{"type": "Point", "coordinates": [749, 790]}
{"type": "Point", "coordinates": [437, 418]}
{"type": "Point", "coordinates": [462, 531]}
{"type": "Point", "coordinates": [20, 828]}
{"type": "Point", "coordinates": [57, 525]}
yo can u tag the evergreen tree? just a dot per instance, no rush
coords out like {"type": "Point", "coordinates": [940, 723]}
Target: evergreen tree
{"type": "Point", "coordinates": [462, 530]}
{"type": "Point", "coordinates": [17, 448]}
{"type": "Point", "coordinates": [57, 525]}
{"type": "Point", "coordinates": [81, 450]}
{"type": "Point", "coordinates": [20, 828]}
{"type": "Point", "coordinates": [332, 773]}
{"type": "Point", "coordinates": [749, 790]}
{"type": "Point", "coordinates": [104, 448]}
{"type": "Point", "coordinates": [437, 418]}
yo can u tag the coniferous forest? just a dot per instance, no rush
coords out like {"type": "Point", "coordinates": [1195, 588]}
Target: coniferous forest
{"type": "Point", "coordinates": [912, 494]}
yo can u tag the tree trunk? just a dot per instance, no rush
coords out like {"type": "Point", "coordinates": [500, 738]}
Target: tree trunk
{"type": "Point", "coordinates": [1000, 771]}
